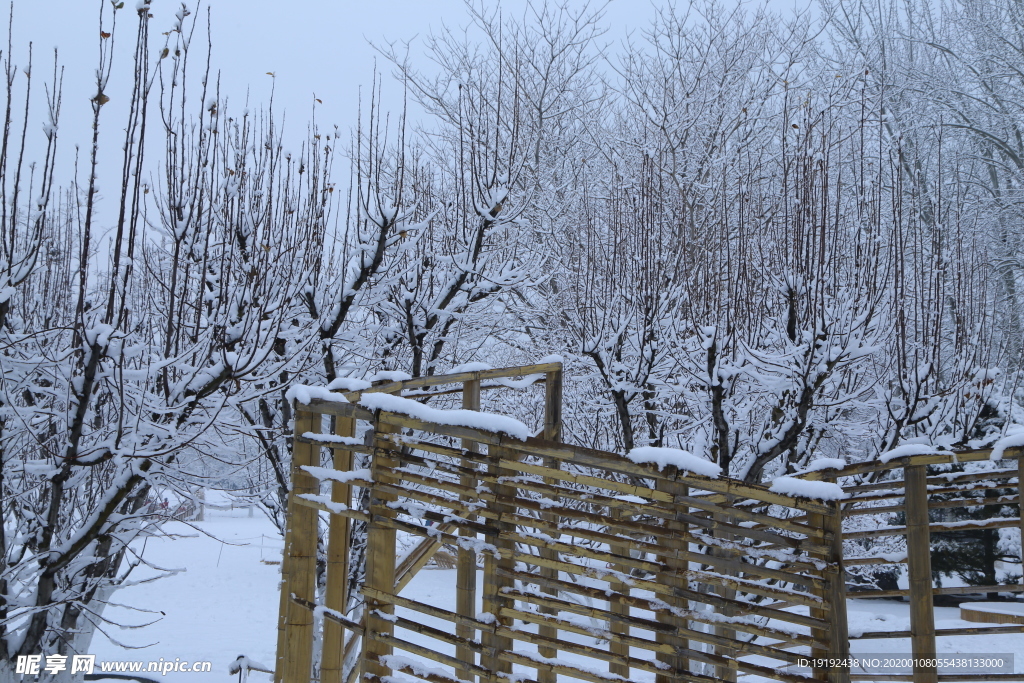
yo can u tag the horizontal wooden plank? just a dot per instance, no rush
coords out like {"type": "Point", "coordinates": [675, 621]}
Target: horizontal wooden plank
{"type": "Point", "coordinates": [973, 455]}
{"type": "Point", "coordinates": [337, 408]}
{"type": "Point", "coordinates": [711, 638]}
{"type": "Point", "coordinates": [945, 590]}
{"type": "Point", "coordinates": [943, 632]}
{"type": "Point", "coordinates": [440, 657]}
{"type": "Point", "coordinates": [334, 445]}
{"type": "Point", "coordinates": [323, 507]}
{"type": "Point", "coordinates": [460, 377]}
{"type": "Point", "coordinates": [665, 509]}
{"type": "Point", "coordinates": [710, 578]}
{"type": "Point", "coordinates": [795, 571]}
{"type": "Point", "coordinates": [662, 504]}
{"type": "Point", "coordinates": [498, 629]}
{"type": "Point", "coordinates": [613, 596]}
{"type": "Point", "coordinates": [861, 561]}
{"type": "Point", "coordinates": [612, 462]}
{"type": "Point", "coordinates": [943, 678]}
{"type": "Point", "coordinates": [938, 527]}
{"type": "Point", "coordinates": [940, 480]}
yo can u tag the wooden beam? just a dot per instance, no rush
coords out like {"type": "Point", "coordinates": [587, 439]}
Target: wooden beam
{"type": "Point", "coordinates": [619, 627]}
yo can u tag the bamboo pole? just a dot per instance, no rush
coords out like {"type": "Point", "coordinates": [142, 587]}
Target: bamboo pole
{"type": "Point", "coordinates": [919, 561]}
{"type": "Point", "coordinates": [336, 597]}
{"type": "Point", "coordinates": [465, 598]}
{"type": "Point", "coordinates": [380, 567]}
{"type": "Point", "coordinates": [298, 566]}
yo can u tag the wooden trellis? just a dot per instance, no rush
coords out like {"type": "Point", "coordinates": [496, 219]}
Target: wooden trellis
{"type": "Point", "coordinates": [670, 565]}
{"type": "Point", "coordinates": [915, 493]}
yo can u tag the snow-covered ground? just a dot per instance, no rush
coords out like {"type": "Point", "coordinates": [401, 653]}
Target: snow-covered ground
{"type": "Point", "coordinates": [224, 603]}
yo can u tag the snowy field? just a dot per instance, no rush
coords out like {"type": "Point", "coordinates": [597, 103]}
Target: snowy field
{"type": "Point", "coordinates": [224, 603]}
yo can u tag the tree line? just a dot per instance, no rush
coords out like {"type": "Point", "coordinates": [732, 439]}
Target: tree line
{"type": "Point", "coordinates": [762, 238]}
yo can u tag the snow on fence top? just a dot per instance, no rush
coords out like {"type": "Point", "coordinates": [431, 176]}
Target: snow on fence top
{"type": "Point", "coordinates": [488, 422]}
{"type": "Point", "coordinates": [801, 488]}
{"type": "Point", "coordinates": [349, 384]}
{"type": "Point", "coordinates": [324, 474]}
{"type": "Point", "coordinates": [1013, 439]}
{"type": "Point", "coordinates": [908, 450]}
{"type": "Point", "coordinates": [683, 460]}
{"type": "Point", "coordinates": [825, 464]}
{"type": "Point", "coordinates": [304, 393]}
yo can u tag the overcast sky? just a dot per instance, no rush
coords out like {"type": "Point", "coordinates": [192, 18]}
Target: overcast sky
{"type": "Point", "coordinates": [312, 47]}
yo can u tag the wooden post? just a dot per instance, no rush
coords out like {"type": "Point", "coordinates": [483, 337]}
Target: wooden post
{"type": "Point", "coordinates": [465, 596]}
{"type": "Point", "coordinates": [675, 578]}
{"type": "Point", "coordinates": [380, 561]}
{"type": "Point", "coordinates": [336, 597]}
{"type": "Point", "coordinates": [725, 673]}
{"type": "Point", "coordinates": [494, 597]}
{"type": "Point", "coordinates": [552, 432]}
{"type": "Point", "coordinates": [298, 566]}
{"type": "Point", "coordinates": [619, 667]}
{"type": "Point", "coordinates": [553, 406]}
{"type": "Point", "coordinates": [1020, 507]}
{"type": "Point", "coordinates": [919, 561]}
{"type": "Point", "coordinates": [835, 593]}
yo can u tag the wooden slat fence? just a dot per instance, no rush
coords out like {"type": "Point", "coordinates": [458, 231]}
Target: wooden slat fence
{"type": "Point", "coordinates": [907, 488]}
{"type": "Point", "coordinates": [594, 567]}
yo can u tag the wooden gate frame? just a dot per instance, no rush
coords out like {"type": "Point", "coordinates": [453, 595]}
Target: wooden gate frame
{"type": "Point", "coordinates": [385, 579]}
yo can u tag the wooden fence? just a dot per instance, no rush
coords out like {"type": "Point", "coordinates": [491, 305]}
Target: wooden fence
{"type": "Point", "coordinates": [595, 567]}
{"type": "Point", "coordinates": [907, 488]}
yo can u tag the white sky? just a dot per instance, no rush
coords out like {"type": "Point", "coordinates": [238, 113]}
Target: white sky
{"type": "Point", "coordinates": [312, 46]}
